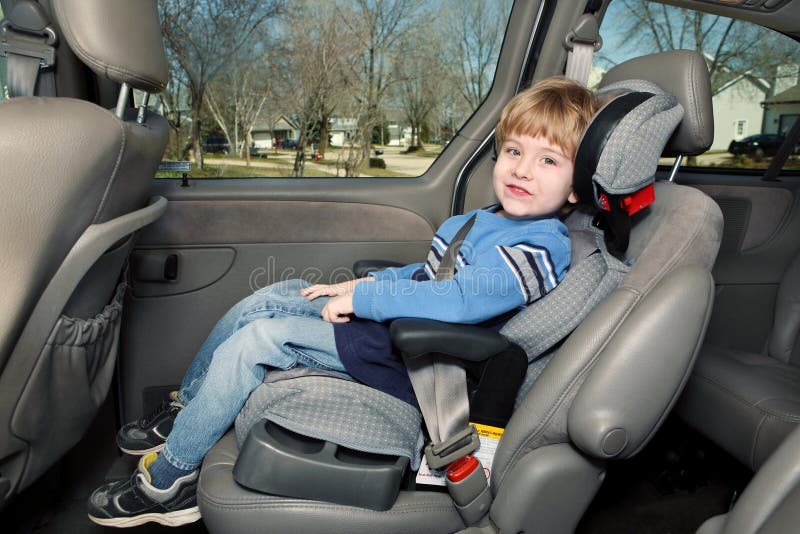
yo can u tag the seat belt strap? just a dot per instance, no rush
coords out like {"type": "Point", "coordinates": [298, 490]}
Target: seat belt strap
{"type": "Point", "coordinates": [783, 153]}
{"type": "Point", "coordinates": [582, 42]}
{"type": "Point", "coordinates": [446, 269]}
{"type": "Point", "coordinates": [440, 385]}
{"type": "Point", "coordinates": [21, 75]}
{"type": "Point", "coordinates": [25, 77]}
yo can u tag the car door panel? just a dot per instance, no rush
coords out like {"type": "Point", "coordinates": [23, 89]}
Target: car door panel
{"type": "Point", "coordinates": [231, 241]}
{"type": "Point", "coordinates": [762, 236]}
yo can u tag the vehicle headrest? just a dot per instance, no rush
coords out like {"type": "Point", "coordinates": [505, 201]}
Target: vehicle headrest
{"type": "Point", "coordinates": [617, 156]}
{"type": "Point", "coordinates": [684, 74]}
{"type": "Point", "coordinates": [118, 39]}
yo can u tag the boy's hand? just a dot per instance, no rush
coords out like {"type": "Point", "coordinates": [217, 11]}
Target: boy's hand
{"type": "Point", "coordinates": [331, 290]}
{"type": "Point", "coordinates": [338, 309]}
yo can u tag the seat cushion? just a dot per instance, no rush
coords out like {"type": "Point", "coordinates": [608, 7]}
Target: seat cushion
{"type": "Point", "coordinates": [228, 507]}
{"type": "Point", "coordinates": [332, 407]}
{"type": "Point", "coordinates": [746, 403]}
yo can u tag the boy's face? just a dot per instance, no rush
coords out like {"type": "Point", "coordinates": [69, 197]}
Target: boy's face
{"type": "Point", "coordinates": [532, 178]}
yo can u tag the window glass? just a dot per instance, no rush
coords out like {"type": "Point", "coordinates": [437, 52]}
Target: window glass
{"type": "Point", "coordinates": [323, 88]}
{"type": "Point", "coordinates": [754, 74]}
{"type": "Point", "coordinates": [3, 85]}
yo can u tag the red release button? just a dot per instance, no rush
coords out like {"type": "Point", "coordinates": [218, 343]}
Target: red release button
{"type": "Point", "coordinates": [462, 468]}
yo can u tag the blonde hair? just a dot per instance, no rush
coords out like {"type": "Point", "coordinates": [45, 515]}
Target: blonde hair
{"type": "Point", "coordinates": [556, 108]}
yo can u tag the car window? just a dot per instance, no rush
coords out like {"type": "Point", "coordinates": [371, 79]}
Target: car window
{"type": "Point", "coordinates": [754, 75]}
{"type": "Point", "coordinates": [323, 88]}
{"type": "Point", "coordinates": [3, 84]}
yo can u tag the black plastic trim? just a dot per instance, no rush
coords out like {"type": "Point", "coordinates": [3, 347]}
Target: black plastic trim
{"type": "Point", "coordinates": [417, 337]}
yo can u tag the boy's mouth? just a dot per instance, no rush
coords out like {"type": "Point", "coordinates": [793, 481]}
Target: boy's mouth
{"type": "Point", "coordinates": [517, 191]}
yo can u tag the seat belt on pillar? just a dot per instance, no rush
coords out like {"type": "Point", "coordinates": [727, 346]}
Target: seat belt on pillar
{"type": "Point", "coordinates": [28, 42]}
{"type": "Point", "coordinates": [783, 153]}
{"type": "Point", "coordinates": [440, 385]}
{"type": "Point", "coordinates": [582, 42]}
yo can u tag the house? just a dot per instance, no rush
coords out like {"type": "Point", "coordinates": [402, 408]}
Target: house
{"type": "Point", "coordinates": [737, 109]}
{"type": "Point", "coordinates": [271, 132]}
{"type": "Point", "coordinates": [781, 110]}
{"type": "Point", "coordinates": [342, 130]}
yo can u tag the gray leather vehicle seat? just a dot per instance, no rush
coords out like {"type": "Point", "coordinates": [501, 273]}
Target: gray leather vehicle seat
{"type": "Point", "coordinates": [770, 504]}
{"type": "Point", "coordinates": [746, 402]}
{"type": "Point", "coordinates": [602, 395]}
{"type": "Point", "coordinates": [75, 187]}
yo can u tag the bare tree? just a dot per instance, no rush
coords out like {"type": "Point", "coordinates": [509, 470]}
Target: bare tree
{"type": "Point", "coordinates": [203, 36]}
{"type": "Point", "coordinates": [315, 59]}
{"type": "Point", "coordinates": [175, 108]}
{"type": "Point", "coordinates": [476, 38]}
{"type": "Point", "coordinates": [374, 28]}
{"type": "Point", "coordinates": [732, 49]}
{"type": "Point", "coordinates": [236, 97]}
{"type": "Point", "coordinates": [418, 71]}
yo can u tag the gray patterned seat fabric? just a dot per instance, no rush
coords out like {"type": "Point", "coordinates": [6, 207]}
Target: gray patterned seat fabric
{"type": "Point", "coordinates": [332, 407]}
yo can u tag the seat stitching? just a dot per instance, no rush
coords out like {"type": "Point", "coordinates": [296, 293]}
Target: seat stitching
{"type": "Point", "coordinates": [113, 177]}
{"type": "Point", "coordinates": [755, 441]}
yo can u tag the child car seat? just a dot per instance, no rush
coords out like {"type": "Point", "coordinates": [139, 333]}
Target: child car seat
{"type": "Point", "coordinates": [602, 394]}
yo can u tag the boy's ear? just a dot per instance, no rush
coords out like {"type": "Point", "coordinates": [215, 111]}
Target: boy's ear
{"type": "Point", "coordinates": [572, 198]}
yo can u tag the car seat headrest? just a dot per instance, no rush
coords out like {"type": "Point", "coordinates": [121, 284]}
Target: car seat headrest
{"type": "Point", "coordinates": [118, 39]}
{"type": "Point", "coordinates": [617, 156]}
{"type": "Point", "coordinates": [682, 73]}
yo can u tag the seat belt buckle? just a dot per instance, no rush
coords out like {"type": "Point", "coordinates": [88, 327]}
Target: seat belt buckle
{"type": "Point", "coordinates": [446, 452]}
{"type": "Point", "coordinates": [466, 481]}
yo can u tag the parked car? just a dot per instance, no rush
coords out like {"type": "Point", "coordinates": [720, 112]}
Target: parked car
{"type": "Point", "coordinates": [216, 145]}
{"type": "Point", "coordinates": [290, 144]}
{"type": "Point", "coordinates": [758, 145]}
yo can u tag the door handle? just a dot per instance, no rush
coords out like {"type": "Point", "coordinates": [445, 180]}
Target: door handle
{"type": "Point", "coordinates": [154, 267]}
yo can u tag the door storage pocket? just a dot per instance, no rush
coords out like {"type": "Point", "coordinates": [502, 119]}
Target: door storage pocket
{"type": "Point", "coordinates": [70, 379]}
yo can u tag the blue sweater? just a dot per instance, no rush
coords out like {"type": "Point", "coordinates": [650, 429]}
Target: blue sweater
{"type": "Point", "coordinates": [502, 266]}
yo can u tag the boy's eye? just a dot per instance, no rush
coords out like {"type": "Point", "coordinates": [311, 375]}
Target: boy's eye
{"type": "Point", "coordinates": [513, 151]}
{"type": "Point", "coordinates": [549, 161]}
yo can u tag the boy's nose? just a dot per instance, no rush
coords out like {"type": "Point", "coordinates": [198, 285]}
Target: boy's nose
{"type": "Point", "coordinates": [523, 172]}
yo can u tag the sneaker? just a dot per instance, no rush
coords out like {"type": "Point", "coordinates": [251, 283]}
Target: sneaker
{"type": "Point", "coordinates": [132, 502]}
{"type": "Point", "coordinates": [150, 433]}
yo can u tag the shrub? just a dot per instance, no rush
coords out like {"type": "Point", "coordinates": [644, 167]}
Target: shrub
{"type": "Point", "coordinates": [377, 163]}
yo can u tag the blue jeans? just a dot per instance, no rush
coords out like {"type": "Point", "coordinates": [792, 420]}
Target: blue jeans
{"type": "Point", "coordinates": [275, 327]}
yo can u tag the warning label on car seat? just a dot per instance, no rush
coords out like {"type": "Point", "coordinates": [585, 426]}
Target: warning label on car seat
{"type": "Point", "coordinates": [490, 437]}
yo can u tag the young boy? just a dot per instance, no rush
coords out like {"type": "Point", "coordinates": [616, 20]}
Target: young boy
{"type": "Point", "coordinates": [514, 253]}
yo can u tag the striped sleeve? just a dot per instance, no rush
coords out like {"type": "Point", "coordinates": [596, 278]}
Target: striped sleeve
{"type": "Point", "coordinates": [533, 268]}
